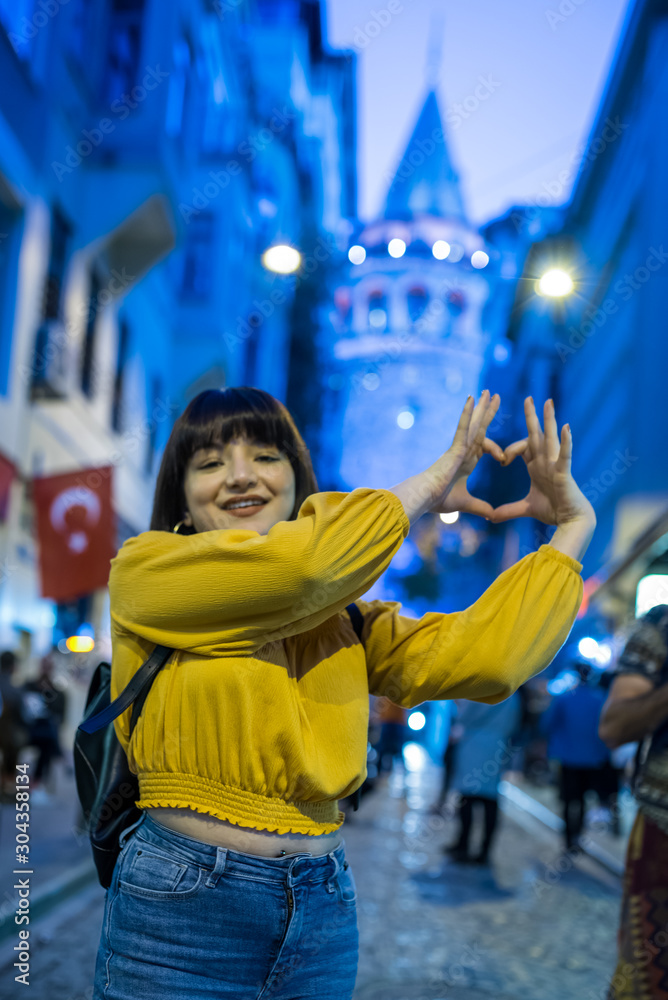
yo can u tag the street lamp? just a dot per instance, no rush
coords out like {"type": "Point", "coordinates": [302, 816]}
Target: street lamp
{"type": "Point", "coordinates": [281, 259]}
{"type": "Point", "coordinates": [555, 283]}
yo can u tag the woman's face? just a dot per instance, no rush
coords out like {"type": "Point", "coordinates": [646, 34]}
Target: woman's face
{"type": "Point", "coordinates": [222, 475]}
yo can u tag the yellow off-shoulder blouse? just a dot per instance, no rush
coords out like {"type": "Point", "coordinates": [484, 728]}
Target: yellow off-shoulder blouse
{"type": "Point", "coordinates": [260, 716]}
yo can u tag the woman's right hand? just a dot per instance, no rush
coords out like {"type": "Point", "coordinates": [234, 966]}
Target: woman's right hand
{"type": "Point", "coordinates": [442, 487]}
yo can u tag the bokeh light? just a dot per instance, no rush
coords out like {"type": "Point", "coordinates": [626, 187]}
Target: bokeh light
{"type": "Point", "coordinates": [281, 259]}
{"type": "Point", "coordinates": [555, 283]}
{"type": "Point", "coordinates": [440, 249]}
{"type": "Point", "coordinates": [396, 248]}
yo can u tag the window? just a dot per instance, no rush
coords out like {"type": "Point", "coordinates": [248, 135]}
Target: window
{"type": "Point", "coordinates": [178, 86]}
{"type": "Point", "coordinates": [197, 278]}
{"type": "Point", "coordinates": [219, 122]}
{"type": "Point", "coordinates": [88, 357]}
{"type": "Point", "coordinates": [156, 392]}
{"type": "Point", "coordinates": [60, 233]}
{"type": "Point", "coordinates": [121, 361]}
{"type": "Point", "coordinates": [416, 301]}
{"type": "Point", "coordinates": [251, 359]}
{"type": "Point", "coordinates": [378, 311]}
{"type": "Point", "coordinates": [79, 34]}
{"type": "Point", "coordinates": [456, 302]}
{"type": "Point", "coordinates": [124, 46]}
{"type": "Point", "coordinates": [9, 223]}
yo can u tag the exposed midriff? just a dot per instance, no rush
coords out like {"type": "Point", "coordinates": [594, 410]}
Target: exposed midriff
{"type": "Point", "coordinates": [263, 843]}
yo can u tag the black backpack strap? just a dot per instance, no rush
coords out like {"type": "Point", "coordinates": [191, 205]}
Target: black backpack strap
{"type": "Point", "coordinates": [357, 619]}
{"type": "Point", "coordinates": [137, 689]}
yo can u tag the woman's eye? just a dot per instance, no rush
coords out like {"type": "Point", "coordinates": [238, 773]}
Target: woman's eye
{"type": "Point", "coordinates": [271, 458]}
{"type": "Point", "coordinates": [208, 465]}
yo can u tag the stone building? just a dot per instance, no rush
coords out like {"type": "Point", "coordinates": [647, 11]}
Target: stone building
{"type": "Point", "coordinates": [408, 338]}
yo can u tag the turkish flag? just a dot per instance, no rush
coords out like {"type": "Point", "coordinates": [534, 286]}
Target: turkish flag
{"type": "Point", "coordinates": [76, 529]}
{"type": "Point", "coordinates": [7, 474]}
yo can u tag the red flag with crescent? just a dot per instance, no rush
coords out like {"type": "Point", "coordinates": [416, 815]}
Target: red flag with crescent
{"type": "Point", "coordinates": [75, 530]}
{"type": "Point", "coordinates": [7, 474]}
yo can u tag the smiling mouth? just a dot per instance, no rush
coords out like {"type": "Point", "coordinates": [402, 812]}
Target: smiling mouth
{"type": "Point", "coordinates": [245, 505]}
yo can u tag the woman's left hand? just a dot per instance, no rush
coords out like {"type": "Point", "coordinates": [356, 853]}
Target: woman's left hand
{"type": "Point", "coordinates": [554, 497]}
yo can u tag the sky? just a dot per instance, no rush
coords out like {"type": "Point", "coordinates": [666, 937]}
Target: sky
{"type": "Point", "coordinates": [519, 85]}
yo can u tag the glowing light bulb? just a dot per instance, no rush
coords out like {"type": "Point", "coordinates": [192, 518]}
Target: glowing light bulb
{"type": "Point", "coordinates": [281, 259]}
{"type": "Point", "coordinates": [396, 248]}
{"type": "Point", "coordinates": [555, 283]}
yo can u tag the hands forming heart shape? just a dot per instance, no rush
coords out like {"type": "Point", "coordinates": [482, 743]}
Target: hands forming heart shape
{"type": "Point", "coordinates": [553, 498]}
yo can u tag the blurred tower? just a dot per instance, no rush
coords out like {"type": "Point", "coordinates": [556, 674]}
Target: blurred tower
{"type": "Point", "coordinates": [408, 343]}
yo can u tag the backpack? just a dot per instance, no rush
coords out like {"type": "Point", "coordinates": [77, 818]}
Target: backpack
{"type": "Point", "coordinates": [106, 786]}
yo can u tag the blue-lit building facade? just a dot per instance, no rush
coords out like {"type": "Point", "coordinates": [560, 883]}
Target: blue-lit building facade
{"type": "Point", "coordinates": [150, 152]}
{"type": "Point", "coordinates": [601, 351]}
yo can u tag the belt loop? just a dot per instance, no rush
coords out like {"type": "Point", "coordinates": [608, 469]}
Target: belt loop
{"type": "Point", "coordinates": [331, 881]}
{"type": "Point", "coordinates": [219, 868]}
{"type": "Point", "coordinates": [124, 834]}
{"type": "Point", "coordinates": [289, 875]}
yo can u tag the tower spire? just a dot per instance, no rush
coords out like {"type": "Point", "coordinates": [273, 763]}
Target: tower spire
{"type": "Point", "coordinates": [435, 49]}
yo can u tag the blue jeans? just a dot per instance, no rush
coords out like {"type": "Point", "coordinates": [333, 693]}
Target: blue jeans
{"type": "Point", "coordinates": [184, 919]}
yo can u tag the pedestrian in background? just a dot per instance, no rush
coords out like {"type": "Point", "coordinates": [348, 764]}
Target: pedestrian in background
{"type": "Point", "coordinates": [257, 726]}
{"type": "Point", "coordinates": [571, 725]}
{"type": "Point", "coordinates": [44, 706]}
{"type": "Point", "coordinates": [455, 733]}
{"type": "Point", "coordinates": [484, 751]}
{"type": "Point", "coordinates": [13, 733]}
{"type": "Point", "coordinates": [394, 732]}
{"type": "Point", "coordinates": [637, 709]}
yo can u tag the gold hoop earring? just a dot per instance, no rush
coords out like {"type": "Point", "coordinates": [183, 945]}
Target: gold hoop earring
{"type": "Point", "coordinates": [176, 528]}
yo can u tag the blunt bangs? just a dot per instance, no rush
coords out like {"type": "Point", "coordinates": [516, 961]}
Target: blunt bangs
{"type": "Point", "coordinates": [215, 417]}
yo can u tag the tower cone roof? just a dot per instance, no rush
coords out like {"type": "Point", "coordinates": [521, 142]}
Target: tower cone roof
{"type": "Point", "coordinates": [425, 180]}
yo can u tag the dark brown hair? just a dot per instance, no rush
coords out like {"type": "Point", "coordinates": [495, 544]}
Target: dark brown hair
{"type": "Point", "coordinates": [215, 417]}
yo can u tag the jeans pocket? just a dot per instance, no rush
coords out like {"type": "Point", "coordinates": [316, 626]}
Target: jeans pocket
{"type": "Point", "coordinates": [346, 886]}
{"type": "Point", "coordinates": [151, 872]}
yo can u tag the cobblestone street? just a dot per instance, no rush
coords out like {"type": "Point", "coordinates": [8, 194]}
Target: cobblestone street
{"type": "Point", "coordinates": [532, 926]}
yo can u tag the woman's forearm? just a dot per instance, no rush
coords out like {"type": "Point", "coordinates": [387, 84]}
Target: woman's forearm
{"type": "Point", "coordinates": [418, 494]}
{"type": "Point", "coordinates": [573, 538]}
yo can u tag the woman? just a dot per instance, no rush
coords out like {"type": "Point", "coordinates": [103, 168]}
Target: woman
{"type": "Point", "coordinates": [234, 882]}
{"type": "Point", "coordinates": [484, 752]}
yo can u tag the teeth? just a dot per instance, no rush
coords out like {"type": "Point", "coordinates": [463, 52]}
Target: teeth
{"type": "Point", "coordinates": [245, 503]}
